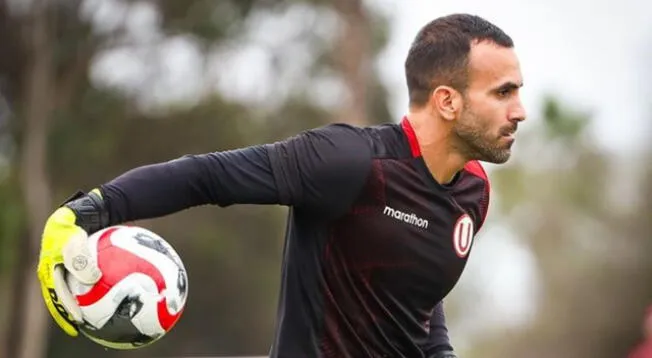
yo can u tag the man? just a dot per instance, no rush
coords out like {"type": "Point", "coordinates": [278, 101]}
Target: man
{"type": "Point", "coordinates": [382, 218]}
{"type": "Point", "coordinates": [644, 348]}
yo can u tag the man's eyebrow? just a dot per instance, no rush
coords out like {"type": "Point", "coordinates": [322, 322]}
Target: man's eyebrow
{"type": "Point", "coordinates": [509, 85]}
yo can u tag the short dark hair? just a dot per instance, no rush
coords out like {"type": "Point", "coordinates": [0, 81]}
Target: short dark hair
{"type": "Point", "coordinates": [440, 52]}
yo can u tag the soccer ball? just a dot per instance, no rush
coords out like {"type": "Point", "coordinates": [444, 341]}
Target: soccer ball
{"type": "Point", "coordinates": [141, 294]}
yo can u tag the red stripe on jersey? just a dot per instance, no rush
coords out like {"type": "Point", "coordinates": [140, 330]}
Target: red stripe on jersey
{"type": "Point", "coordinates": [474, 167]}
{"type": "Point", "coordinates": [112, 274]}
{"type": "Point", "coordinates": [411, 137]}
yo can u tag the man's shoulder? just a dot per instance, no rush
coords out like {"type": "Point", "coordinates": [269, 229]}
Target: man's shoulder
{"type": "Point", "coordinates": [388, 141]}
{"type": "Point", "coordinates": [385, 140]}
{"type": "Point", "coordinates": [477, 175]}
{"type": "Point", "coordinates": [477, 188]}
{"type": "Point", "coordinates": [476, 169]}
{"type": "Point", "coordinates": [349, 128]}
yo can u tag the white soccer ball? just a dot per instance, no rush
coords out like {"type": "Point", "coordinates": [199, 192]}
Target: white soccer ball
{"type": "Point", "coordinates": [142, 292]}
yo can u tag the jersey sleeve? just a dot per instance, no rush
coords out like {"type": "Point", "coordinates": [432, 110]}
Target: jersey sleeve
{"type": "Point", "coordinates": [438, 337]}
{"type": "Point", "coordinates": [320, 170]}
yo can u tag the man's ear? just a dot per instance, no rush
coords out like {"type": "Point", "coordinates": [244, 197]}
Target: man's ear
{"type": "Point", "coordinates": [447, 102]}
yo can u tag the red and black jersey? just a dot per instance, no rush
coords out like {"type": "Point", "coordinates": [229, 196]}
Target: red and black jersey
{"type": "Point", "coordinates": [373, 245]}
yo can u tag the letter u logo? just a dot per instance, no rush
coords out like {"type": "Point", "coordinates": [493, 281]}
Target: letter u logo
{"type": "Point", "coordinates": [463, 236]}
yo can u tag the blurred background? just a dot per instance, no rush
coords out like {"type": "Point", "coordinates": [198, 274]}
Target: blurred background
{"type": "Point", "coordinates": [92, 88]}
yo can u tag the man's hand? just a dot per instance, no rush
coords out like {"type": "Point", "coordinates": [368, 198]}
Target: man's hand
{"type": "Point", "coordinates": [64, 250]}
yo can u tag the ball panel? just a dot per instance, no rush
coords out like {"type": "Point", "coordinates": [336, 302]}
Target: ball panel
{"type": "Point", "coordinates": [141, 294]}
{"type": "Point", "coordinates": [160, 254]}
{"type": "Point", "coordinates": [137, 286]}
{"type": "Point", "coordinates": [116, 246]}
{"type": "Point", "coordinates": [119, 331]}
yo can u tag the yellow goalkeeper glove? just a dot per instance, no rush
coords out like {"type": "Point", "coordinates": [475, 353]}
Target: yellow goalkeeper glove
{"type": "Point", "coordinates": [64, 250]}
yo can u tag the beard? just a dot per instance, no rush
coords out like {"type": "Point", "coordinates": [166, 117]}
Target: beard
{"type": "Point", "coordinates": [476, 140]}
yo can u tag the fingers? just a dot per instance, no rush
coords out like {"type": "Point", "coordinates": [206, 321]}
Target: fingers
{"type": "Point", "coordinates": [79, 260]}
{"type": "Point", "coordinates": [57, 311]}
{"type": "Point", "coordinates": [66, 298]}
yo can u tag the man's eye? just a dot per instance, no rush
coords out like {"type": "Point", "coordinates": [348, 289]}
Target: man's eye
{"type": "Point", "coordinates": [504, 93]}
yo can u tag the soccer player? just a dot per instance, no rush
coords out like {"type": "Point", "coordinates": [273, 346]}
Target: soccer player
{"type": "Point", "coordinates": [381, 220]}
{"type": "Point", "coordinates": [644, 348]}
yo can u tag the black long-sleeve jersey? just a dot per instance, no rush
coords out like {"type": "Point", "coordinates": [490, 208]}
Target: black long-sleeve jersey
{"type": "Point", "coordinates": [373, 244]}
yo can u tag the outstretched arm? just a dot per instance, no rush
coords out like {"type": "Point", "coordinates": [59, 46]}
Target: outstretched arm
{"type": "Point", "coordinates": [318, 170]}
{"type": "Point", "coordinates": [321, 169]}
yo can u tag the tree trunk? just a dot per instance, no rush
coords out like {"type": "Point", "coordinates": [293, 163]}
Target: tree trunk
{"type": "Point", "coordinates": [37, 104]}
{"type": "Point", "coordinates": [6, 278]}
{"type": "Point", "coordinates": [6, 313]}
{"type": "Point", "coordinates": [16, 302]}
{"type": "Point", "coordinates": [353, 57]}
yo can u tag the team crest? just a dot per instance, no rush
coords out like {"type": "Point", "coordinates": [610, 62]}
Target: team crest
{"type": "Point", "coordinates": [463, 236]}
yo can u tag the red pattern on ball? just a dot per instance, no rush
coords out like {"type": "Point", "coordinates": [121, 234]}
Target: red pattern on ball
{"type": "Point", "coordinates": [112, 274]}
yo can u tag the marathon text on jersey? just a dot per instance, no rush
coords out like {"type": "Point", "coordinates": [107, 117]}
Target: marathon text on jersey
{"type": "Point", "coordinates": [411, 218]}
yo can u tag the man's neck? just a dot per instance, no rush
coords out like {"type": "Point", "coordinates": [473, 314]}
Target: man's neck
{"type": "Point", "coordinates": [433, 137]}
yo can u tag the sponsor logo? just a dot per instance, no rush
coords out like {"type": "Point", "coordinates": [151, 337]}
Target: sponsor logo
{"type": "Point", "coordinates": [409, 218]}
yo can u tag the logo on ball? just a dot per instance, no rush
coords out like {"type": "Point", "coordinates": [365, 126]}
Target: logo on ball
{"type": "Point", "coordinates": [79, 262]}
{"type": "Point", "coordinates": [463, 236]}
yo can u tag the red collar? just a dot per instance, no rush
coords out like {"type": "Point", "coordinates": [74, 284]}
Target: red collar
{"type": "Point", "coordinates": [411, 137]}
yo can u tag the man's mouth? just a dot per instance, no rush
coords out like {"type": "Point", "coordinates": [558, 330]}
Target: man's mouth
{"type": "Point", "coordinates": [509, 133]}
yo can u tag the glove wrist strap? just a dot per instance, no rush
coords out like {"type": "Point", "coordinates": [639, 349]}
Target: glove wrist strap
{"type": "Point", "coordinates": [90, 211]}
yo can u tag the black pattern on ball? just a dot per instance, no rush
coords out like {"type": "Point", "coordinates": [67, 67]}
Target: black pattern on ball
{"type": "Point", "coordinates": [156, 245]}
{"type": "Point", "coordinates": [120, 329]}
